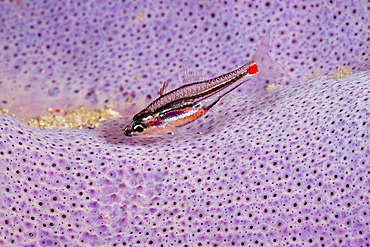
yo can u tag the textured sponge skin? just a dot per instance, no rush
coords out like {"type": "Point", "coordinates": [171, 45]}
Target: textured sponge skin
{"type": "Point", "coordinates": [91, 53]}
{"type": "Point", "coordinates": [282, 167]}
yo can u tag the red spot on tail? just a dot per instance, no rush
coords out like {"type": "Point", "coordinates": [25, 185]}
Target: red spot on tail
{"type": "Point", "coordinates": [253, 69]}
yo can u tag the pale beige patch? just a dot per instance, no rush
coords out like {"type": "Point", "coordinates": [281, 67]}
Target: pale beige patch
{"type": "Point", "coordinates": [342, 72]}
{"type": "Point", "coordinates": [73, 119]}
{"type": "Point", "coordinates": [4, 111]}
{"type": "Point", "coordinates": [138, 77]}
{"type": "Point", "coordinates": [139, 17]}
{"type": "Point", "coordinates": [273, 86]}
{"type": "Point", "coordinates": [22, 4]}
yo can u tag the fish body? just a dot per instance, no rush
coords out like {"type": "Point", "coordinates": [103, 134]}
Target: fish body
{"type": "Point", "coordinates": [189, 102]}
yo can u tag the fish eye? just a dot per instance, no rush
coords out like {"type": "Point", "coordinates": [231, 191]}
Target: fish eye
{"type": "Point", "coordinates": [139, 127]}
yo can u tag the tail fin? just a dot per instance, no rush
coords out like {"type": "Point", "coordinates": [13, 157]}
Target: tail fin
{"type": "Point", "coordinates": [267, 67]}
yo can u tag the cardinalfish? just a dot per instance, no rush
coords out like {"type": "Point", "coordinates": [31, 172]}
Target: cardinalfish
{"type": "Point", "coordinates": [190, 102]}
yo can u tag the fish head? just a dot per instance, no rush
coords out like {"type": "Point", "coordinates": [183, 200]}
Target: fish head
{"type": "Point", "coordinates": [145, 123]}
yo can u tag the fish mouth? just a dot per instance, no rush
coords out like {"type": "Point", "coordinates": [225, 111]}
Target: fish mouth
{"type": "Point", "coordinates": [128, 132]}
